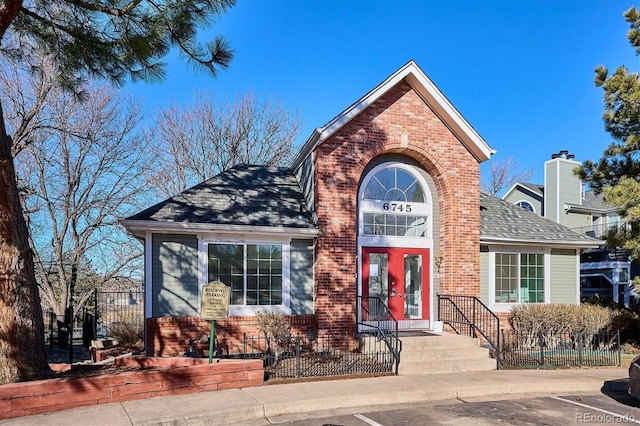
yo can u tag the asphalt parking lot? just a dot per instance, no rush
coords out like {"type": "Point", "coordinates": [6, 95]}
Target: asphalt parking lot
{"type": "Point", "coordinates": [551, 410]}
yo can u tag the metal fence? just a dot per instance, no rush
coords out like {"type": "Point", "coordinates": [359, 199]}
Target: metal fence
{"type": "Point", "coordinates": [468, 316]}
{"type": "Point", "coordinates": [331, 355]}
{"type": "Point", "coordinates": [118, 307]}
{"type": "Point", "coordinates": [552, 349]}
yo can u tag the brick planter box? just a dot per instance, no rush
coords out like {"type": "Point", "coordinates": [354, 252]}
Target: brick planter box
{"type": "Point", "coordinates": [167, 376]}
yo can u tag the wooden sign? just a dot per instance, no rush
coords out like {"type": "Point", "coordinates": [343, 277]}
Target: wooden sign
{"type": "Point", "coordinates": [215, 301]}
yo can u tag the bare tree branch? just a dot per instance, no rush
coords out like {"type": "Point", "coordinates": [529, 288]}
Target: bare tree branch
{"type": "Point", "coordinates": [503, 174]}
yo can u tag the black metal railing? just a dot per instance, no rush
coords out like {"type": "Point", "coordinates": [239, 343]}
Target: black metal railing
{"type": "Point", "coordinates": [567, 349]}
{"type": "Point", "coordinates": [375, 319]}
{"type": "Point", "coordinates": [118, 307]}
{"type": "Point", "coordinates": [303, 356]}
{"type": "Point", "coordinates": [601, 230]}
{"type": "Point", "coordinates": [468, 316]}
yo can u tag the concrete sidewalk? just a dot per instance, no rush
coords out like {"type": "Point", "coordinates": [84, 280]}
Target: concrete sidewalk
{"type": "Point", "coordinates": [269, 403]}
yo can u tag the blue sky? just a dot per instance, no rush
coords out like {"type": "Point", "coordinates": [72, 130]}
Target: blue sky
{"type": "Point", "coordinates": [521, 72]}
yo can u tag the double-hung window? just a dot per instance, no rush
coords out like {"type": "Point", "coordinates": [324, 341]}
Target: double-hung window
{"type": "Point", "coordinates": [519, 278]}
{"type": "Point", "coordinates": [256, 274]}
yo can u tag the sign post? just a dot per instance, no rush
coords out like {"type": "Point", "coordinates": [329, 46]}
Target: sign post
{"type": "Point", "coordinates": [214, 306]}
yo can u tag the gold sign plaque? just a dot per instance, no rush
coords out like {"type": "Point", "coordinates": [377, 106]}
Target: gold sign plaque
{"type": "Point", "coordinates": [215, 301]}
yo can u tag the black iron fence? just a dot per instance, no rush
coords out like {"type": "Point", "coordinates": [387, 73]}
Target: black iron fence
{"type": "Point", "coordinates": [330, 355]}
{"type": "Point", "coordinates": [553, 349]}
{"type": "Point", "coordinates": [115, 308]}
{"type": "Point", "coordinates": [376, 320]}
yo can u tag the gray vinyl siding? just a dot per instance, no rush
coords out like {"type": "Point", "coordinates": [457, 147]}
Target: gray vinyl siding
{"type": "Point", "coordinates": [304, 173]}
{"type": "Point", "coordinates": [563, 276]}
{"type": "Point", "coordinates": [436, 234]}
{"type": "Point", "coordinates": [580, 220]}
{"type": "Point", "coordinates": [561, 187]}
{"type": "Point", "coordinates": [484, 275]}
{"type": "Point", "coordinates": [301, 277]}
{"type": "Point", "coordinates": [174, 275]}
{"type": "Point", "coordinates": [522, 195]}
{"type": "Point", "coordinates": [551, 191]}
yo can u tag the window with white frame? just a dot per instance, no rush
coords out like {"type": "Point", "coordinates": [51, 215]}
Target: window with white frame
{"type": "Point", "coordinates": [526, 205]}
{"type": "Point", "coordinates": [519, 278]}
{"type": "Point", "coordinates": [253, 271]}
{"type": "Point", "coordinates": [394, 203]}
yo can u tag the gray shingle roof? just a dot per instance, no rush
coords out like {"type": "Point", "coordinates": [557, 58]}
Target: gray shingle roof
{"type": "Point", "coordinates": [500, 220]}
{"type": "Point", "coordinates": [243, 195]}
{"type": "Point", "coordinates": [595, 201]}
{"type": "Point", "coordinates": [533, 187]}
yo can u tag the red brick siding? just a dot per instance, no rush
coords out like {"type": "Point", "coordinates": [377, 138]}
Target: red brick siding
{"type": "Point", "coordinates": [182, 377]}
{"type": "Point", "coordinates": [339, 163]}
{"type": "Point", "coordinates": [169, 336]}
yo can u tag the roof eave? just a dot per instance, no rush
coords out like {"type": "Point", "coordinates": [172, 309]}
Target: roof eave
{"type": "Point", "coordinates": [554, 244]}
{"type": "Point", "coordinates": [140, 227]}
{"type": "Point", "coordinates": [585, 209]}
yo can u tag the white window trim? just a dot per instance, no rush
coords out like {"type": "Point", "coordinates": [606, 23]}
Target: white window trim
{"type": "Point", "coordinates": [422, 209]}
{"type": "Point", "coordinates": [506, 307]}
{"type": "Point", "coordinates": [244, 310]}
{"type": "Point", "coordinates": [528, 202]}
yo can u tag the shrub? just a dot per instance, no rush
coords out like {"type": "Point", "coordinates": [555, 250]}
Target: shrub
{"type": "Point", "coordinates": [560, 318]}
{"type": "Point", "coordinates": [277, 330]}
{"type": "Point", "coordinates": [127, 334]}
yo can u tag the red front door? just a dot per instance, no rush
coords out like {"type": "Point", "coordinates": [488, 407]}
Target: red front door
{"type": "Point", "coordinates": [400, 277]}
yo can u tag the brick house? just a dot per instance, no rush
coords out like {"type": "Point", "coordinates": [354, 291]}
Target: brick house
{"type": "Point", "coordinates": [383, 201]}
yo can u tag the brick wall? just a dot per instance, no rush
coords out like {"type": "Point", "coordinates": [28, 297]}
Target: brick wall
{"type": "Point", "coordinates": [400, 123]}
{"type": "Point", "coordinates": [182, 376]}
{"type": "Point", "coordinates": [169, 336]}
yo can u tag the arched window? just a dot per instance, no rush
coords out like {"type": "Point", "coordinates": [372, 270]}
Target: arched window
{"type": "Point", "coordinates": [525, 205]}
{"type": "Point", "coordinates": [394, 202]}
{"type": "Point", "coordinates": [394, 184]}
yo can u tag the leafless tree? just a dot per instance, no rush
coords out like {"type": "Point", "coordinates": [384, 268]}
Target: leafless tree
{"type": "Point", "coordinates": [79, 166]}
{"type": "Point", "coordinates": [200, 140]}
{"type": "Point", "coordinates": [111, 40]}
{"type": "Point", "coordinates": [503, 174]}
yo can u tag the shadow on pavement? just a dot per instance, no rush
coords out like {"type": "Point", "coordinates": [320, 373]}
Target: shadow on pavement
{"type": "Point", "coordinates": [618, 390]}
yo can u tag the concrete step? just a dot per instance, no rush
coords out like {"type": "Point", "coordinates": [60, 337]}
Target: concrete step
{"type": "Point", "coordinates": [445, 353]}
{"type": "Point", "coordinates": [431, 341]}
{"type": "Point", "coordinates": [453, 366]}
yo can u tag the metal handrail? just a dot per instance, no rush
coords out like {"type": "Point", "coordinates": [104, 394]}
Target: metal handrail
{"type": "Point", "coordinates": [458, 311]}
{"type": "Point", "coordinates": [376, 318]}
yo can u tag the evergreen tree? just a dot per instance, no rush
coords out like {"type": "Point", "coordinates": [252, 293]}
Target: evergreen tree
{"type": "Point", "coordinates": [617, 174]}
{"type": "Point", "coordinates": [115, 40]}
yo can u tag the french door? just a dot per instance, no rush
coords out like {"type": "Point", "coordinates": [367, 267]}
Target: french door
{"type": "Point", "coordinates": [400, 277]}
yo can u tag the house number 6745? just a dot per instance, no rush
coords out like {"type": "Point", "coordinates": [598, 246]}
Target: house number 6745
{"type": "Point", "coordinates": [397, 207]}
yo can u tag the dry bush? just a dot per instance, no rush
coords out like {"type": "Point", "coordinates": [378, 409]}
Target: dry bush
{"type": "Point", "coordinates": [558, 323]}
{"type": "Point", "coordinates": [127, 334]}
{"type": "Point", "coordinates": [277, 330]}
{"type": "Point", "coordinates": [560, 318]}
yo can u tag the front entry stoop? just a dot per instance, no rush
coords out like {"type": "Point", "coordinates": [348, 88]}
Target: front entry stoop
{"type": "Point", "coordinates": [426, 353]}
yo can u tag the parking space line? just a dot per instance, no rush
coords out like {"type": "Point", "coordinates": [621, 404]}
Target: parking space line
{"type": "Point", "coordinates": [366, 420]}
{"type": "Point", "coordinates": [622, 416]}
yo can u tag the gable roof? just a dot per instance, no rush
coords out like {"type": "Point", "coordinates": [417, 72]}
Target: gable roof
{"type": "Point", "coordinates": [429, 93]}
{"type": "Point", "coordinates": [533, 188]}
{"type": "Point", "coordinates": [505, 223]}
{"type": "Point", "coordinates": [244, 198]}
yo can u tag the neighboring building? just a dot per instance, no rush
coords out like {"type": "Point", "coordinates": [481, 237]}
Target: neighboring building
{"type": "Point", "coordinates": [604, 272]}
{"type": "Point", "coordinates": [381, 201]}
{"type": "Point", "coordinates": [526, 258]}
